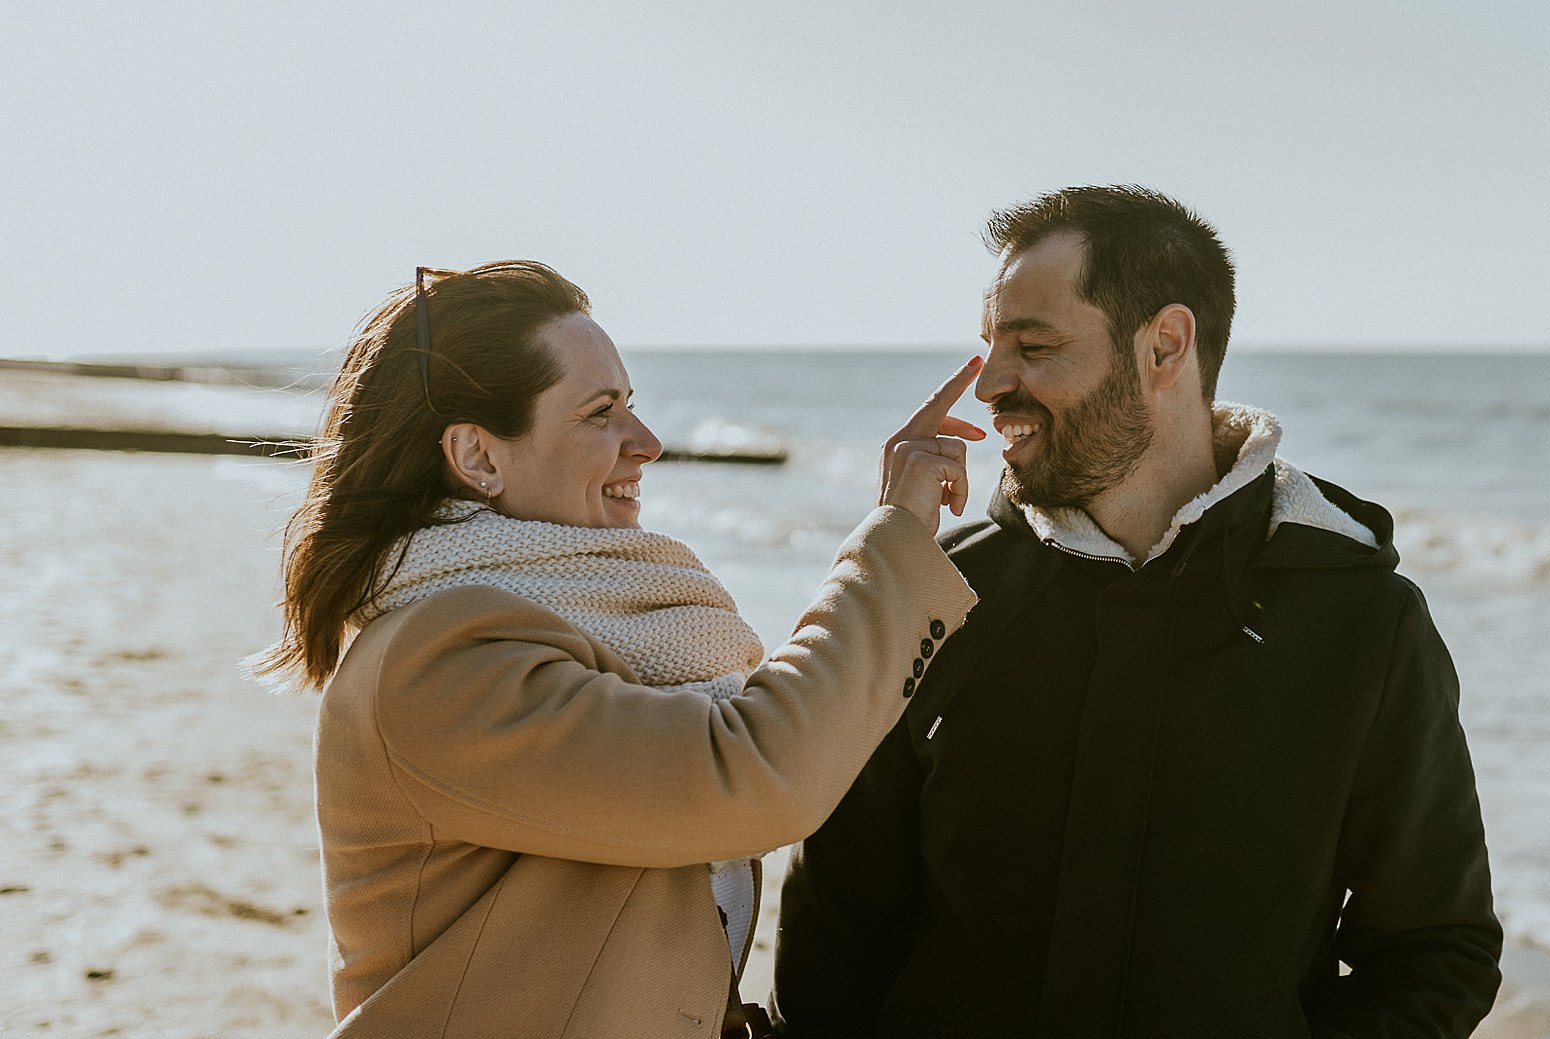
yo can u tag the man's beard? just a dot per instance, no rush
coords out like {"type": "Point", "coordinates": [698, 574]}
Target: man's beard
{"type": "Point", "coordinates": [1090, 448]}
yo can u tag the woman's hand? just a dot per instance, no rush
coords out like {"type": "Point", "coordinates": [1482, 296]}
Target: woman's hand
{"type": "Point", "coordinates": [923, 463]}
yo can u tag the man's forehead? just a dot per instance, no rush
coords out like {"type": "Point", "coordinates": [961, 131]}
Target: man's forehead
{"type": "Point", "coordinates": [995, 293]}
{"type": "Point", "coordinates": [1041, 277]}
{"type": "Point", "coordinates": [988, 300]}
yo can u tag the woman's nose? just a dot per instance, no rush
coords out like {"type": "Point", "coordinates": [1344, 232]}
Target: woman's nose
{"type": "Point", "coordinates": [643, 443]}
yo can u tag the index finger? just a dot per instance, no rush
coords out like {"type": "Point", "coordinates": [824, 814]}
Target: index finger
{"type": "Point", "coordinates": [929, 417]}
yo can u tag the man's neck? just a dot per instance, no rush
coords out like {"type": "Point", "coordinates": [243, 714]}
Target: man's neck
{"type": "Point", "coordinates": [1175, 470]}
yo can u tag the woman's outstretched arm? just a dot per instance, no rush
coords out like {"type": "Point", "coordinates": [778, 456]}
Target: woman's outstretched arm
{"type": "Point", "coordinates": [506, 727]}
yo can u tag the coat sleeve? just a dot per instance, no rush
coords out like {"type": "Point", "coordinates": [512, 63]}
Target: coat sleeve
{"type": "Point", "coordinates": [853, 903]}
{"type": "Point", "coordinates": [1417, 931]}
{"type": "Point", "coordinates": [505, 728]}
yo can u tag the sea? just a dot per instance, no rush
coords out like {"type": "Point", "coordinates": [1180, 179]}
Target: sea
{"type": "Point", "coordinates": [1455, 445]}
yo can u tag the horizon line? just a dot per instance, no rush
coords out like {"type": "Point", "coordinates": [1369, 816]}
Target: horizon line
{"type": "Point", "coordinates": [232, 356]}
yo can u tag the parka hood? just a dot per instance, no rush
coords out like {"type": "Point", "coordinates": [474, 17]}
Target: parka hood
{"type": "Point", "coordinates": [1303, 511]}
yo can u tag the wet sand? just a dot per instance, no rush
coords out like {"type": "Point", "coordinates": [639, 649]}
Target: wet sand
{"type": "Point", "coordinates": [158, 863]}
{"type": "Point", "coordinates": [160, 871]}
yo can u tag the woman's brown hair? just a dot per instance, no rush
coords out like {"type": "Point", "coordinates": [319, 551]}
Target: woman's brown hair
{"type": "Point", "coordinates": [378, 470]}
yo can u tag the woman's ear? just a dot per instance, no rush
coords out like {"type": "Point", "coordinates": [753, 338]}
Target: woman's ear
{"type": "Point", "coordinates": [465, 447]}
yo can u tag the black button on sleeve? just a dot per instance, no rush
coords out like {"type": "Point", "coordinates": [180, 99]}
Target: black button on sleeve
{"type": "Point", "coordinates": [909, 688]}
{"type": "Point", "coordinates": [926, 648]}
{"type": "Point", "coordinates": [920, 667]}
{"type": "Point", "coordinates": [938, 630]}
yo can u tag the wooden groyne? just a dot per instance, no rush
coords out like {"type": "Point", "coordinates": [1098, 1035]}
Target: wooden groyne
{"type": "Point", "coordinates": [200, 409]}
{"type": "Point", "coordinates": [174, 442]}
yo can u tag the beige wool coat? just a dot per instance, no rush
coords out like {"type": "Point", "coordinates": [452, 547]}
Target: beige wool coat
{"type": "Point", "coordinates": [515, 832]}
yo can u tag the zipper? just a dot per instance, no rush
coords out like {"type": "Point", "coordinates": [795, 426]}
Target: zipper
{"type": "Point", "coordinates": [1052, 543]}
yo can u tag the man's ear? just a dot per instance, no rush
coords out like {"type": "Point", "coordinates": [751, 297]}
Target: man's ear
{"type": "Point", "coordinates": [1170, 345]}
{"type": "Point", "coordinates": [465, 447]}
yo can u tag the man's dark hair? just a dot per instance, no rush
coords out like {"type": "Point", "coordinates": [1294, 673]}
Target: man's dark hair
{"type": "Point", "coordinates": [1143, 251]}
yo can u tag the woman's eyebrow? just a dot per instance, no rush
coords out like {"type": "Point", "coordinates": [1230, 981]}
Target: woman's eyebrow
{"type": "Point", "coordinates": [611, 393]}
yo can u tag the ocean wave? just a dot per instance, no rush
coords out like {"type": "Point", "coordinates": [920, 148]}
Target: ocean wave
{"type": "Point", "coordinates": [1493, 550]}
{"type": "Point", "coordinates": [719, 435]}
{"type": "Point", "coordinates": [1485, 551]}
{"type": "Point", "coordinates": [756, 525]}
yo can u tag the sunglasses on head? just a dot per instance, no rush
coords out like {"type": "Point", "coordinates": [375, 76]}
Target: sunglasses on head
{"type": "Point", "coordinates": [422, 324]}
{"type": "Point", "coordinates": [422, 319]}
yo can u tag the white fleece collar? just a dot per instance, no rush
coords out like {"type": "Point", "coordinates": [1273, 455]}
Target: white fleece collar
{"type": "Point", "coordinates": [1245, 441]}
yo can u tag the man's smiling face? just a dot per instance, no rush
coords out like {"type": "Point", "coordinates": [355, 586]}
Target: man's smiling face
{"type": "Point", "coordinates": [1067, 401]}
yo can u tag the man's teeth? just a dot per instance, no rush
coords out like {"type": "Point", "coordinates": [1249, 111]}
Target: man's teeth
{"type": "Point", "coordinates": [1016, 432]}
{"type": "Point", "coordinates": [622, 490]}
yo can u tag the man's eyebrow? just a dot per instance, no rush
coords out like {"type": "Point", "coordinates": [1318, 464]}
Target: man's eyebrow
{"type": "Point", "coordinates": [1011, 326]}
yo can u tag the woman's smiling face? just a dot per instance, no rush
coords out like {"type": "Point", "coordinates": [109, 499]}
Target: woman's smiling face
{"type": "Point", "coordinates": [581, 463]}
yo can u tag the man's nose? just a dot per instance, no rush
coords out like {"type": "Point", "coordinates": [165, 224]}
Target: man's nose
{"type": "Point", "coordinates": [998, 377]}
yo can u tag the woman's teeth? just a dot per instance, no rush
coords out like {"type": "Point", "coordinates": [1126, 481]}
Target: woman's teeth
{"type": "Point", "coordinates": [1014, 433]}
{"type": "Point", "coordinates": [622, 490]}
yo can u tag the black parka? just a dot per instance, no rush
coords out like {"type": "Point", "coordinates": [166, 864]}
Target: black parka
{"type": "Point", "coordinates": [1132, 802]}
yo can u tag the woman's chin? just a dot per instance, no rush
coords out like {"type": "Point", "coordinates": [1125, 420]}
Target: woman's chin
{"type": "Point", "coordinates": [621, 512]}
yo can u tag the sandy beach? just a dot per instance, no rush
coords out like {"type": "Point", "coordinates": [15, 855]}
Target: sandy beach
{"type": "Point", "coordinates": [160, 872]}
{"type": "Point", "coordinates": [160, 869]}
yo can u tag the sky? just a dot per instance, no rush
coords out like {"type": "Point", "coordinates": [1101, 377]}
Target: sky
{"type": "Point", "coordinates": [206, 179]}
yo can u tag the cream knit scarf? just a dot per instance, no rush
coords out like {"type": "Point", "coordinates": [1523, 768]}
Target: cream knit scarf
{"type": "Point", "coordinates": [643, 595]}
